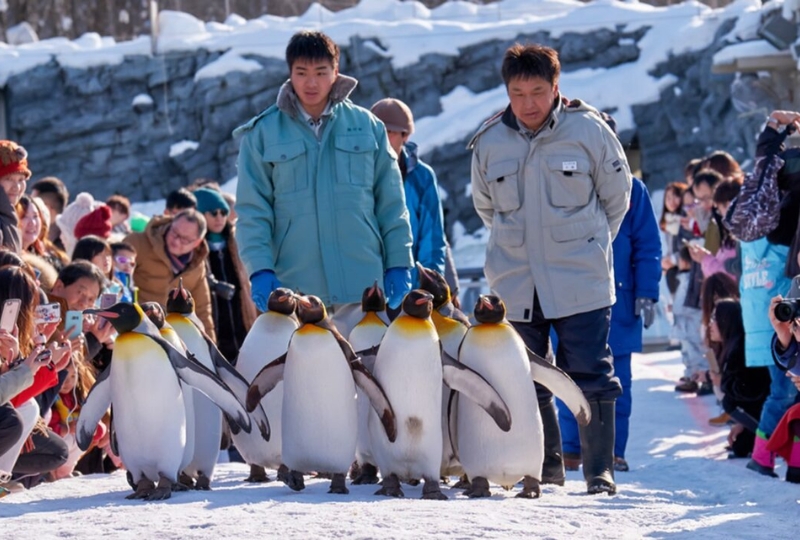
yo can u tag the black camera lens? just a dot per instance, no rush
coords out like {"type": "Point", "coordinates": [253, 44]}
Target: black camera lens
{"type": "Point", "coordinates": [786, 310]}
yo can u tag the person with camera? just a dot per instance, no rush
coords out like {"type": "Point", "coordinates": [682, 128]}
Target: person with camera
{"type": "Point", "coordinates": [233, 310]}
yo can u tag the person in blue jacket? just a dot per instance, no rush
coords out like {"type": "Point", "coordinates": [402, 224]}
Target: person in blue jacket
{"type": "Point", "coordinates": [320, 198]}
{"type": "Point", "coordinates": [421, 187]}
{"type": "Point", "coordinates": [637, 272]}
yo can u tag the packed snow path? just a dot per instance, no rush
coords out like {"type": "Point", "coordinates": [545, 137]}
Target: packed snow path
{"type": "Point", "coordinates": [680, 486]}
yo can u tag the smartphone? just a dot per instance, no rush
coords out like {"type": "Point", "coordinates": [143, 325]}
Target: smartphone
{"type": "Point", "coordinates": [107, 300]}
{"type": "Point", "coordinates": [73, 325]}
{"type": "Point", "coordinates": [686, 242]}
{"type": "Point", "coordinates": [47, 313]}
{"type": "Point", "coordinates": [10, 313]}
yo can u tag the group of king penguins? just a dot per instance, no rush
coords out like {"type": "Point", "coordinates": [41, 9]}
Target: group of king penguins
{"type": "Point", "coordinates": [423, 397]}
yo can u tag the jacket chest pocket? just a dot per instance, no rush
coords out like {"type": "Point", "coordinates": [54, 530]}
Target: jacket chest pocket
{"type": "Point", "coordinates": [289, 166]}
{"type": "Point", "coordinates": [503, 180]}
{"type": "Point", "coordinates": [569, 182]}
{"type": "Point", "coordinates": [355, 159]}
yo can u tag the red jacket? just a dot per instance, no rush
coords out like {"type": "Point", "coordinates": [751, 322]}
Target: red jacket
{"type": "Point", "coordinates": [45, 378]}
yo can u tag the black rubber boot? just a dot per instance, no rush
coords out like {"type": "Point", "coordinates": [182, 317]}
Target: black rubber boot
{"type": "Point", "coordinates": [793, 474]}
{"type": "Point", "coordinates": [597, 449]}
{"type": "Point", "coordinates": [553, 465]}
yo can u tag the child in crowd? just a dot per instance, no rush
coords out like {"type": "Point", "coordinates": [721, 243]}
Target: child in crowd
{"type": "Point", "coordinates": [120, 212]}
{"type": "Point", "coordinates": [124, 263]}
{"type": "Point", "coordinates": [97, 251]}
{"type": "Point", "coordinates": [687, 326]}
{"type": "Point", "coordinates": [744, 389]}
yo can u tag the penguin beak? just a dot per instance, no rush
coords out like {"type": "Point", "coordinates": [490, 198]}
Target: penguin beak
{"type": "Point", "coordinates": [487, 303]}
{"type": "Point", "coordinates": [104, 314]}
{"type": "Point", "coordinates": [422, 270]}
{"type": "Point", "coordinates": [303, 301]}
{"type": "Point", "coordinates": [374, 289]}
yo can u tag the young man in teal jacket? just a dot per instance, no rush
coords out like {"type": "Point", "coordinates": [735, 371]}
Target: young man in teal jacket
{"type": "Point", "coordinates": [320, 198]}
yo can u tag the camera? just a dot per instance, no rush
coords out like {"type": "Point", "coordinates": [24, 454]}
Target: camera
{"type": "Point", "coordinates": [222, 289]}
{"type": "Point", "coordinates": [787, 310]}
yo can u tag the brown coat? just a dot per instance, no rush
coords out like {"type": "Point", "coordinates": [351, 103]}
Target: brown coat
{"type": "Point", "coordinates": [154, 277]}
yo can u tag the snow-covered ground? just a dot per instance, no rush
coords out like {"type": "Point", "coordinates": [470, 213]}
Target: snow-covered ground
{"type": "Point", "coordinates": [681, 486]}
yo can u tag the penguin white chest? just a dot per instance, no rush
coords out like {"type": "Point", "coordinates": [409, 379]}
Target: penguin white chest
{"type": "Point", "coordinates": [409, 369]}
{"type": "Point", "coordinates": [319, 405]}
{"type": "Point", "coordinates": [498, 354]}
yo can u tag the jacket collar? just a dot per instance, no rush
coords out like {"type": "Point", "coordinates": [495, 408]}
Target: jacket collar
{"type": "Point", "coordinates": [559, 103]}
{"type": "Point", "coordinates": [288, 102]}
{"type": "Point", "coordinates": [409, 154]}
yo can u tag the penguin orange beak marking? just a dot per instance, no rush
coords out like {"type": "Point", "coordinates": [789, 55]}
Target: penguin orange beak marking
{"type": "Point", "coordinates": [421, 301]}
{"type": "Point", "coordinates": [304, 302]}
{"type": "Point", "coordinates": [487, 304]}
{"type": "Point", "coordinates": [107, 314]}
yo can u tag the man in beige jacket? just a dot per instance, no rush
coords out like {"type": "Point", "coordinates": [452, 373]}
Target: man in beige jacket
{"type": "Point", "coordinates": [551, 183]}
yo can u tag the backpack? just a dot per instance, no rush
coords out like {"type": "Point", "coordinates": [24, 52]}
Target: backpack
{"type": "Point", "coordinates": [755, 212]}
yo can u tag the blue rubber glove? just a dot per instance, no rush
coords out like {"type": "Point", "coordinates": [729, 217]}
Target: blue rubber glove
{"type": "Point", "coordinates": [396, 285]}
{"type": "Point", "coordinates": [262, 283]}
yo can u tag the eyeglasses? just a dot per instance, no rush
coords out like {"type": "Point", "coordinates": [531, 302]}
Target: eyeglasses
{"type": "Point", "coordinates": [219, 212]}
{"type": "Point", "coordinates": [121, 259]}
{"type": "Point", "coordinates": [182, 239]}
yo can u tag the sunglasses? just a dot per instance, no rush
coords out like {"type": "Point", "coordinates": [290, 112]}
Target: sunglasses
{"type": "Point", "coordinates": [219, 212]}
{"type": "Point", "coordinates": [121, 259]}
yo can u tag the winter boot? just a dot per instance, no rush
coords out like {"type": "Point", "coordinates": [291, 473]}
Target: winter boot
{"type": "Point", "coordinates": [762, 461]}
{"type": "Point", "coordinates": [597, 449]}
{"type": "Point", "coordinates": [793, 469]}
{"type": "Point", "coordinates": [553, 466]}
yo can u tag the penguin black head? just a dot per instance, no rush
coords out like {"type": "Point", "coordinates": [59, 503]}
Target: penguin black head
{"type": "Point", "coordinates": [310, 309]}
{"type": "Point", "coordinates": [180, 300]}
{"type": "Point", "coordinates": [155, 313]}
{"type": "Point", "coordinates": [418, 303]}
{"type": "Point", "coordinates": [489, 309]}
{"type": "Point", "coordinates": [373, 299]}
{"type": "Point", "coordinates": [124, 317]}
{"type": "Point", "coordinates": [282, 301]}
{"type": "Point", "coordinates": [434, 282]}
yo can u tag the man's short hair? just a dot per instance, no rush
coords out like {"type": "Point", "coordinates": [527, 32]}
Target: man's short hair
{"type": "Point", "coordinates": [710, 177]}
{"type": "Point", "coordinates": [81, 269]}
{"type": "Point", "coordinates": [180, 199]}
{"type": "Point", "coordinates": [55, 188]}
{"type": "Point", "coordinates": [311, 45]}
{"type": "Point", "coordinates": [192, 216]}
{"type": "Point", "coordinates": [120, 203]}
{"type": "Point", "coordinates": [529, 61]}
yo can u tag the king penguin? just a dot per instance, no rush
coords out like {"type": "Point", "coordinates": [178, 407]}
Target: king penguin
{"type": "Point", "coordinates": [268, 339]}
{"type": "Point", "coordinates": [142, 385]}
{"type": "Point", "coordinates": [208, 417]}
{"type": "Point", "coordinates": [493, 348]}
{"type": "Point", "coordinates": [319, 408]}
{"type": "Point", "coordinates": [451, 325]}
{"type": "Point", "coordinates": [411, 366]}
{"type": "Point", "coordinates": [365, 335]}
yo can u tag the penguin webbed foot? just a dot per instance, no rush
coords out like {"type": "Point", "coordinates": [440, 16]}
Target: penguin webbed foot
{"type": "Point", "coordinates": [162, 492]}
{"type": "Point", "coordinates": [203, 483]}
{"type": "Point", "coordinates": [480, 488]}
{"type": "Point", "coordinates": [390, 487]}
{"type": "Point", "coordinates": [258, 475]}
{"type": "Point", "coordinates": [338, 484]}
{"type": "Point", "coordinates": [186, 481]}
{"type": "Point", "coordinates": [295, 481]}
{"type": "Point", "coordinates": [463, 483]}
{"type": "Point", "coordinates": [432, 491]}
{"type": "Point", "coordinates": [530, 489]}
{"type": "Point", "coordinates": [143, 489]}
{"type": "Point", "coordinates": [368, 475]}
{"type": "Point", "coordinates": [283, 474]}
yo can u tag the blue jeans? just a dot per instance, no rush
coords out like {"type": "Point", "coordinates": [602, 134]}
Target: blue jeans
{"type": "Point", "coordinates": [781, 396]}
{"type": "Point", "coordinates": [570, 438]}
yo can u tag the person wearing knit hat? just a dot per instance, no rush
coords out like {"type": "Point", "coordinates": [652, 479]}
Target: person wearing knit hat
{"type": "Point", "coordinates": [209, 200]}
{"type": "Point", "coordinates": [14, 175]}
{"type": "Point", "coordinates": [82, 205]}
{"type": "Point", "coordinates": [97, 223]}
{"type": "Point", "coordinates": [232, 308]}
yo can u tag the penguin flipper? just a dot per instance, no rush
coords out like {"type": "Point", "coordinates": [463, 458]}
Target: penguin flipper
{"type": "Point", "coordinates": [206, 381]}
{"type": "Point", "coordinates": [452, 312]}
{"type": "Point", "coordinates": [368, 356]}
{"type": "Point", "coordinates": [377, 397]}
{"type": "Point", "coordinates": [267, 379]}
{"type": "Point", "coordinates": [470, 383]}
{"type": "Point", "coordinates": [239, 387]}
{"type": "Point", "coordinates": [97, 403]}
{"type": "Point", "coordinates": [452, 422]}
{"type": "Point", "coordinates": [561, 385]}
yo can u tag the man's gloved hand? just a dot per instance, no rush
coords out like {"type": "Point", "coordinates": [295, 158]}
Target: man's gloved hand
{"type": "Point", "coordinates": [262, 283]}
{"type": "Point", "coordinates": [396, 284]}
{"type": "Point", "coordinates": [646, 309]}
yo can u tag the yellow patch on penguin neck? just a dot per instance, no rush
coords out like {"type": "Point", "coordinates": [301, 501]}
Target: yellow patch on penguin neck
{"type": "Point", "coordinates": [371, 318]}
{"type": "Point", "coordinates": [309, 329]}
{"type": "Point", "coordinates": [413, 325]}
{"type": "Point", "coordinates": [443, 324]}
{"type": "Point", "coordinates": [130, 339]}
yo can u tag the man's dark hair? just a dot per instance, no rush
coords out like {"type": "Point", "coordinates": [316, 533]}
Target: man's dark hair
{"type": "Point", "coordinates": [709, 177]}
{"type": "Point", "coordinates": [116, 247]}
{"type": "Point", "coordinates": [120, 203]}
{"type": "Point", "coordinates": [528, 61]}
{"type": "Point", "coordinates": [192, 216]}
{"type": "Point", "coordinates": [727, 190]}
{"type": "Point", "coordinates": [81, 269]}
{"type": "Point", "coordinates": [181, 199]}
{"type": "Point", "coordinates": [311, 45]}
{"type": "Point", "coordinates": [50, 185]}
